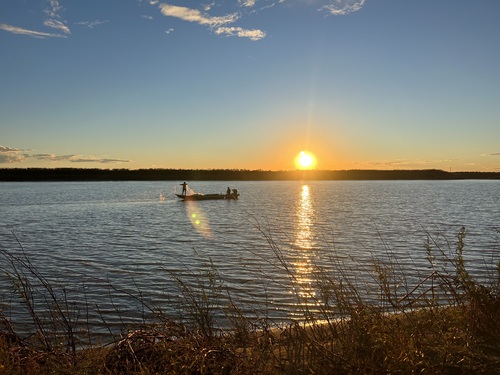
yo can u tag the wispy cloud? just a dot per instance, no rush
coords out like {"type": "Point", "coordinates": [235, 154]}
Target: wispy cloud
{"type": "Point", "coordinates": [98, 160]}
{"type": "Point", "coordinates": [194, 15]}
{"type": "Point", "coordinates": [216, 23]}
{"type": "Point", "coordinates": [384, 163]}
{"type": "Point", "coordinates": [243, 33]}
{"type": "Point", "coordinates": [202, 14]}
{"type": "Point", "coordinates": [9, 155]}
{"type": "Point", "coordinates": [343, 7]}
{"type": "Point", "coordinates": [9, 149]}
{"type": "Point", "coordinates": [493, 154]}
{"type": "Point", "coordinates": [54, 9]}
{"type": "Point", "coordinates": [32, 33]}
{"type": "Point", "coordinates": [209, 6]}
{"type": "Point", "coordinates": [10, 158]}
{"type": "Point", "coordinates": [247, 3]}
{"type": "Point", "coordinates": [92, 24]}
{"type": "Point", "coordinates": [55, 24]}
{"type": "Point", "coordinates": [54, 19]}
{"type": "Point", "coordinates": [401, 163]}
{"type": "Point", "coordinates": [78, 159]}
{"type": "Point", "coordinates": [52, 157]}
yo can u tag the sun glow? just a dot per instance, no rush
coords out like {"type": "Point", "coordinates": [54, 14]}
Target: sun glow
{"type": "Point", "coordinates": [305, 160]}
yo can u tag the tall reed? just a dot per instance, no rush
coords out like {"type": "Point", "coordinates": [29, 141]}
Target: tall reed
{"type": "Point", "coordinates": [443, 321]}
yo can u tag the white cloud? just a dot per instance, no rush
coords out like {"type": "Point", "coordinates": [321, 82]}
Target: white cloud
{"type": "Point", "coordinates": [194, 15]}
{"type": "Point", "coordinates": [32, 33]}
{"type": "Point", "coordinates": [242, 33]}
{"type": "Point", "coordinates": [343, 7]}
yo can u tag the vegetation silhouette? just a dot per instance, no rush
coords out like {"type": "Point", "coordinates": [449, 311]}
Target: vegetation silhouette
{"type": "Point", "coordinates": [96, 174]}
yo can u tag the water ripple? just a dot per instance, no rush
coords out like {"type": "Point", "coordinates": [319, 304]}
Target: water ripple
{"type": "Point", "coordinates": [112, 241]}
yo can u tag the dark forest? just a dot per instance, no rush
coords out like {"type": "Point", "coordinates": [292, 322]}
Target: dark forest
{"type": "Point", "coordinates": [95, 174]}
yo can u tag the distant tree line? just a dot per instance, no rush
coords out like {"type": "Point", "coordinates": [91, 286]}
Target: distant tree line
{"type": "Point", "coordinates": [95, 174]}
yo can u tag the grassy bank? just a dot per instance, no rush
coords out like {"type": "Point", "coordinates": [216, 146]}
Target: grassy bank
{"type": "Point", "coordinates": [445, 322]}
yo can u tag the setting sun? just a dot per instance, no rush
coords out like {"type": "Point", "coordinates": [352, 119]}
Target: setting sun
{"type": "Point", "coordinates": [305, 160]}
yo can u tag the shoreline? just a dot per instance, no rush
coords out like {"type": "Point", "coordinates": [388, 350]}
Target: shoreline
{"type": "Point", "coordinates": [95, 174]}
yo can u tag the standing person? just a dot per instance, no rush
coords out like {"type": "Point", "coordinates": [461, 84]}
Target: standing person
{"type": "Point", "coordinates": [228, 191]}
{"type": "Point", "coordinates": [184, 188]}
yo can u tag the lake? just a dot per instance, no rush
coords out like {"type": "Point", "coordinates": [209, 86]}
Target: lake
{"type": "Point", "coordinates": [116, 247]}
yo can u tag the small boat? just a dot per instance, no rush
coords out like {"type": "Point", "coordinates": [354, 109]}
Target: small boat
{"type": "Point", "coordinates": [206, 197]}
{"type": "Point", "coordinates": [230, 195]}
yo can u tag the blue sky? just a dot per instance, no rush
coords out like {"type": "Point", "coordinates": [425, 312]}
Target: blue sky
{"type": "Point", "coordinates": [371, 84]}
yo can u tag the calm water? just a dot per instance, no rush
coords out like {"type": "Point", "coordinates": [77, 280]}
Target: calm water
{"type": "Point", "coordinates": [110, 241]}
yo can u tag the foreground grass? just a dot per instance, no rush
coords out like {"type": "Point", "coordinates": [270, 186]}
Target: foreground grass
{"type": "Point", "coordinates": [433, 341]}
{"type": "Point", "coordinates": [444, 323]}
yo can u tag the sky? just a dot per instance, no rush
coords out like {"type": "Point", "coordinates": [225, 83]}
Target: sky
{"type": "Point", "coordinates": [249, 84]}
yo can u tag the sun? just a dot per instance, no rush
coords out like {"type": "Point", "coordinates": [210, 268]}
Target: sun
{"type": "Point", "coordinates": [305, 160]}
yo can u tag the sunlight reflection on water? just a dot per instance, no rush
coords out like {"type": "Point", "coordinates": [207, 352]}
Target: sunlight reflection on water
{"type": "Point", "coordinates": [93, 234]}
{"type": "Point", "coordinates": [302, 264]}
{"type": "Point", "coordinates": [305, 214]}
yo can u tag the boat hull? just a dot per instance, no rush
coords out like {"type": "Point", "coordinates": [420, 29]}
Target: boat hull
{"type": "Point", "coordinates": [206, 197]}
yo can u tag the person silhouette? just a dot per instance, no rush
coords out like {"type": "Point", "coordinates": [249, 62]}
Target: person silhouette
{"type": "Point", "coordinates": [228, 191]}
{"type": "Point", "coordinates": [184, 188]}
